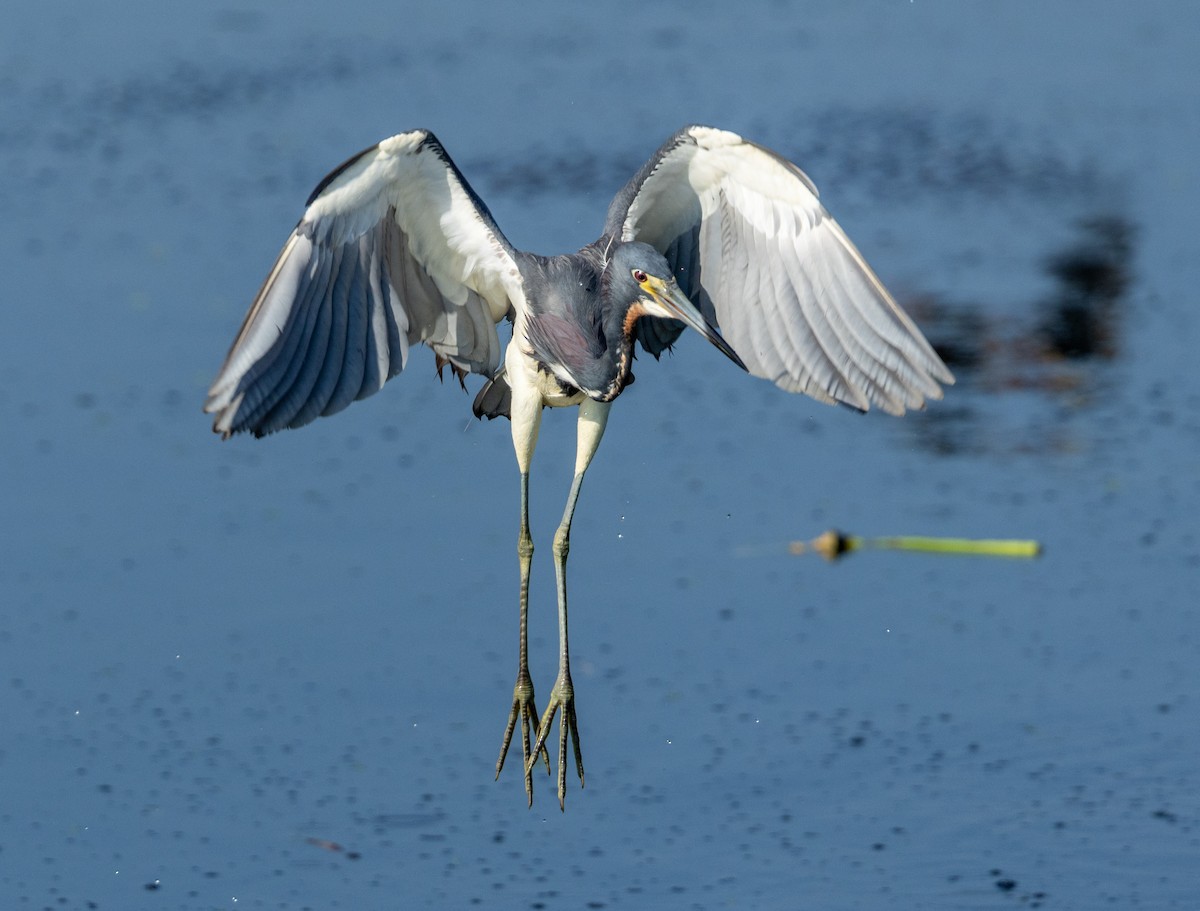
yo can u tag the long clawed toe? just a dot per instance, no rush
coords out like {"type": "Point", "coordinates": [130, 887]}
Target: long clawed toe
{"type": "Point", "coordinates": [561, 697]}
{"type": "Point", "coordinates": [524, 710]}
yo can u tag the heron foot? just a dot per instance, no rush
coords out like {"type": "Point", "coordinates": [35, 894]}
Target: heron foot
{"type": "Point", "coordinates": [524, 709]}
{"type": "Point", "coordinates": [561, 697]}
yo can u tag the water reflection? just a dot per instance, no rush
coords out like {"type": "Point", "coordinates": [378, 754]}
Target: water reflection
{"type": "Point", "coordinates": [1062, 351]}
{"type": "Point", "coordinates": [1092, 277]}
{"type": "Point", "coordinates": [915, 153]}
{"type": "Point", "coordinates": [889, 154]}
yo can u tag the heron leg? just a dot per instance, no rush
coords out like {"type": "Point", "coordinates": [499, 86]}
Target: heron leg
{"type": "Point", "coordinates": [524, 704]}
{"type": "Point", "coordinates": [593, 416]}
{"type": "Point", "coordinates": [526, 419]}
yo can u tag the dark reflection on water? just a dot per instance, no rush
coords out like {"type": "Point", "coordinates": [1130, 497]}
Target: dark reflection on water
{"type": "Point", "coordinates": [1092, 278]}
{"type": "Point", "coordinates": [900, 153]}
{"type": "Point", "coordinates": [891, 154]}
{"type": "Point", "coordinates": [70, 119]}
{"type": "Point", "coordinates": [1062, 349]}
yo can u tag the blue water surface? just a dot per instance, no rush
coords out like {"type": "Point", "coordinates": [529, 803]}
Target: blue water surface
{"type": "Point", "coordinates": [274, 674]}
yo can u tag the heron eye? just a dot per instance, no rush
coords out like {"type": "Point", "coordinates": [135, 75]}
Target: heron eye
{"type": "Point", "coordinates": [639, 276]}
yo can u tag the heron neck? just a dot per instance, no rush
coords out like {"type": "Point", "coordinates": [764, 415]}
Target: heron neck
{"type": "Point", "coordinates": [620, 331]}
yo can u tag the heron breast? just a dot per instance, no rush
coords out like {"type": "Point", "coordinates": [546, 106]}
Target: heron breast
{"type": "Point", "coordinates": [556, 393]}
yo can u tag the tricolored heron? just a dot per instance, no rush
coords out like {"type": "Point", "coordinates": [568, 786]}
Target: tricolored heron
{"type": "Point", "coordinates": [714, 232]}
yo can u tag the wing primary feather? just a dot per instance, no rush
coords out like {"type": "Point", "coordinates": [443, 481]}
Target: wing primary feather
{"type": "Point", "coordinates": [377, 359]}
{"type": "Point", "coordinates": [312, 359]}
{"type": "Point", "coordinates": [332, 359]}
{"type": "Point", "coordinates": [424, 320]}
{"type": "Point", "coordinates": [358, 306]}
{"type": "Point", "coordinates": [813, 356]}
{"type": "Point", "coordinates": [845, 382]}
{"type": "Point", "coordinates": [397, 317]}
{"type": "Point", "coordinates": [259, 420]}
{"type": "Point", "coordinates": [740, 291]}
{"type": "Point", "coordinates": [895, 382]}
{"type": "Point", "coordinates": [902, 325]}
{"type": "Point", "coordinates": [891, 344]}
{"type": "Point", "coordinates": [757, 301]}
{"type": "Point", "coordinates": [266, 390]}
{"type": "Point", "coordinates": [258, 340]}
{"type": "Point", "coordinates": [825, 305]}
{"type": "Point", "coordinates": [479, 327]}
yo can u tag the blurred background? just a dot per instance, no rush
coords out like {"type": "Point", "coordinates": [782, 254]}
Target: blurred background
{"type": "Point", "coordinates": [275, 674]}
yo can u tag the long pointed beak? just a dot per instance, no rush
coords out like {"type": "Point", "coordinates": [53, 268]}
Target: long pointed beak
{"type": "Point", "coordinates": [671, 298]}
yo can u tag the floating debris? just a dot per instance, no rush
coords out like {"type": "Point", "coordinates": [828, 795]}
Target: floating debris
{"type": "Point", "coordinates": [833, 544]}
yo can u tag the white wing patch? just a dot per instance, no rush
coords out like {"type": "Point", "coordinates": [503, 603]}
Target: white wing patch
{"type": "Point", "coordinates": [779, 277]}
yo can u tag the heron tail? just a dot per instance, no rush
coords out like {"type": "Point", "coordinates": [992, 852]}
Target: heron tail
{"type": "Point", "coordinates": [494, 399]}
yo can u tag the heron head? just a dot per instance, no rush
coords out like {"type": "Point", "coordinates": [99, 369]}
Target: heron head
{"type": "Point", "coordinates": [642, 278]}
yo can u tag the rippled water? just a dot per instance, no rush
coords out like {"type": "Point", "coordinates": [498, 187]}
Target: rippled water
{"type": "Point", "coordinates": [274, 674]}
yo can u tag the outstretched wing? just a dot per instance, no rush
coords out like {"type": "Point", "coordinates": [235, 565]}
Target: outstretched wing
{"type": "Point", "coordinates": [394, 249]}
{"type": "Point", "coordinates": [759, 255]}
